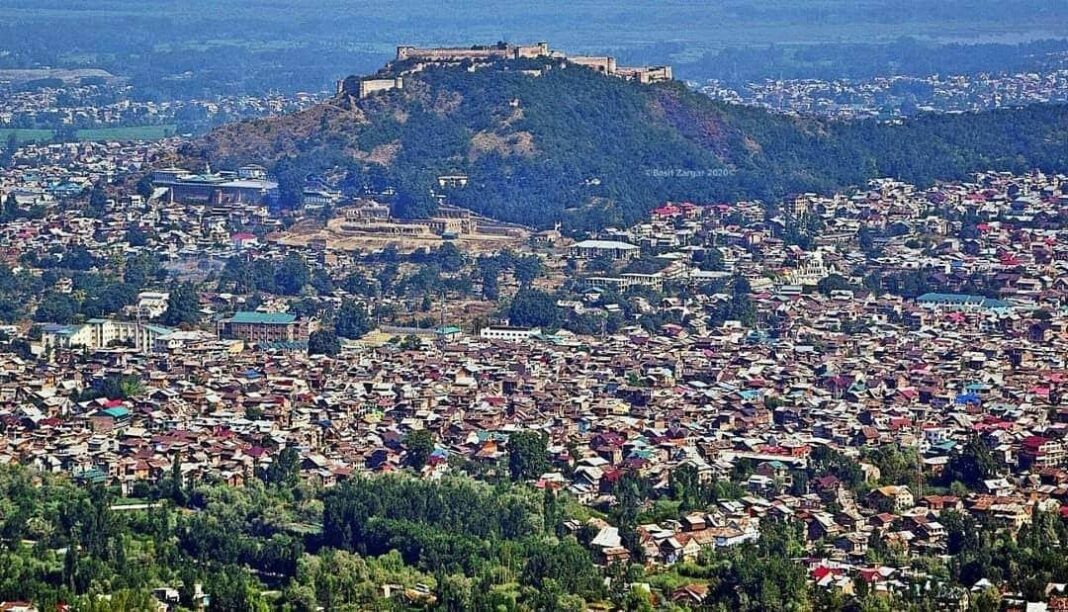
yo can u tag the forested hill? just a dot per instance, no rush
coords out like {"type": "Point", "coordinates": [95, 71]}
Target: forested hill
{"type": "Point", "coordinates": [591, 150]}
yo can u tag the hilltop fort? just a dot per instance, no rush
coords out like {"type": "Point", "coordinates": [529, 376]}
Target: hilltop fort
{"type": "Point", "coordinates": [527, 135]}
{"type": "Point", "coordinates": [416, 59]}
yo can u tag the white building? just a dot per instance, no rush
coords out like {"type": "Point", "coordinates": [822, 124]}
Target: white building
{"type": "Point", "coordinates": [509, 334]}
{"type": "Point", "coordinates": [810, 272]}
{"type": "Point", "coordinates": [150, 304]}
{"type": "Point", "coordinates": [179, 340]}
{"type": "Point", "coordinates": [102, 333]}
{"type": "Point", "coordinates": [610, 249]}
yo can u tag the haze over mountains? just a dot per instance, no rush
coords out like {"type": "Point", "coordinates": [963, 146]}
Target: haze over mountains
{"type": "Point", "coordinates": [228, 46]}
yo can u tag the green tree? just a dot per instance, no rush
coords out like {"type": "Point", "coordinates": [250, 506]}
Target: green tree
{"type": "Point", "coordinates": [98, 201]}
{"type": "Point", "coordinates": [352, 320]}
{"type": "Point", "coordinates": [233, 590]}
{"type": "Point", "coordinates": [285, 469]}
{"type": "Point", "coordinates": [123, 600]}
{"type": "Point", "coordinates": [527, 269]}
{"type": "Point", "coordinates": [454, 593]}
{"type": "Point", "coordinates": [321, 282]}
{"type": "Point", "coordinates": [971, 464]}
{"type": "Point", "coordinates": [532, 308]}
{"type": "Point", "coordinates": [411, 342]}
{"type": "Point", "coordinates": [292, 275]}
{"type": "Point", "coordinates": [144, 186]}
{"type": "Point", "coordinates": [418, 446]}
{"type": "Point", "coordinates": [183, 306]}
{"type": "Point", "coordinates": [413, 202]}
{"type": "Point", "coordinates": [136, 236]}
{"type": "Point", "coordinates": [56, 308]}
{"type": "Point", "coordinates": [10, 210]}
{"type": "Point", "coordinates": [986, 600]}
{"type": "Point", "coordinates": [711, 260]}
{"type": "Point", "coordinates": [490, 282]}
{"type": "Point", "coordinates": [324, 342]}
{"type": "Point", "coordinates": [121, 387]}
{"type": "Point", "coordinates": [173, 486]}
{"type": "Point", "coordinates": [141, 269]}
{"type": "Point", "coordinates": [449, 257]}
{"type": "Point", "coordinates": [897, 466]}
{"type": "Point", "coordinates": [638, 600]}
{"type": "Point", "coordinates": [833, 282]}
{"type": "Point", "coordinates": [7, 155]}
{"type": "Point", "coordinates": [527, 454]}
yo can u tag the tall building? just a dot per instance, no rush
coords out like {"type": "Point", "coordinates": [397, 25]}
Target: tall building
{"type": "Point", "coordinates": [102, 333]}
{"type": "Point", "coordinates": [256, 327]}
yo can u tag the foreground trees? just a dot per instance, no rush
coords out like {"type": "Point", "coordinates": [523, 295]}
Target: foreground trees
{"type": "Point", "coordinates": [452, 544]}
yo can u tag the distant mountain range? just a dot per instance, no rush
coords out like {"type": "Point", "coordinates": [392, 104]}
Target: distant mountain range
{"type": "Point", "coordinates": [544, 141]}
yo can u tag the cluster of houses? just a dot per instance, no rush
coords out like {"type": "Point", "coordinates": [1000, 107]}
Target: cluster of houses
{"type": "Point", "coordinates": [192, 237]}
{"type": "Point", "coordinates": [976, 350]}
{"type": "Point", "coordinates": [729, 403]}
{"type": "Point", "coordinates": [1002, 234]}
{"type": "Point", "coordinates": [112, 103]}
{"type": "Point", "coordinates": [45, 175]}
{"type": "Point", "coordinates": [897, 96]}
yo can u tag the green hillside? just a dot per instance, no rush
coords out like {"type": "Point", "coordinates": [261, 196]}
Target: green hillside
{"type": "Point", "coordinates": [589, 150]}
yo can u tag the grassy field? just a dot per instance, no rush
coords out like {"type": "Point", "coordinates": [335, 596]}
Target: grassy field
{"type": "Point", "coordinates": [25, 135]}
{"type": "Point", "coordinates": [143, 132]}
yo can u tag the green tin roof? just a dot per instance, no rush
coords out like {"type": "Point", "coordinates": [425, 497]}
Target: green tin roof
{"type": "Point", "coordinates": [266, 318]}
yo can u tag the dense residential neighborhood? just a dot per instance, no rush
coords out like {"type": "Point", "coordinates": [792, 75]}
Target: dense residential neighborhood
{"type": "Point", "coordinates": [649, 324]}
{"type": "Point", "coordinates": [34, 103]}
{"type": "Point", "coordinates": [856, 365]}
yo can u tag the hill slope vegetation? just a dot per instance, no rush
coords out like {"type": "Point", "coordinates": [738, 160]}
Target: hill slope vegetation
{"type": "Point", "coordinates": [571, 145]}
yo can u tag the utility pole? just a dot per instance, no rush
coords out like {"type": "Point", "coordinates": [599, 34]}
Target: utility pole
{"type": "Point", "coordinates": [444, 312]}
{"type": "Point", "coordinates": [441, 327]}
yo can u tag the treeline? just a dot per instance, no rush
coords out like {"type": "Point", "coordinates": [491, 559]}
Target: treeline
{"type": "Point", "coordinates": [92, 293]}
{"type": "Point", "coordinates": [287, 276]}
{"type": "Point", "coordinates": [471, 545]}
{"type": "Point", "coordinates": [460, 527]}
{"type": "Point", "coordinates": [457, 544]}
{"type": "Point", "coordinates": [186, 54]}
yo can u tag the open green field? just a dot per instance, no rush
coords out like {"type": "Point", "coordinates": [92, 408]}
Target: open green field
{"type": "Point", "coordinates": [144, 132]}
{"type": "Point", "coordinates": [141, 132]}
{"type": "Point", "coordinates": [22, 135]}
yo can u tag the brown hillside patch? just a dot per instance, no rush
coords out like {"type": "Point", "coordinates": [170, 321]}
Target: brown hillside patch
{"type": "Point", "coordinates": [266, 140]}
{"type": "Point", "coordinates": [382, 154]}
{"type": "Point", "coordinates": [517, 115]}
{"type": "Point", "coordinates": [698, 124]}
{"type": "Point", "coordinates": [519, 143]}
{"type": "Point", "coordinates": [447, 102]}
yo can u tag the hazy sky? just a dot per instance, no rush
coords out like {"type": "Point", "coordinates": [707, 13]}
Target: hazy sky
{"type": "Point", "coordinates": [308, 43]}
